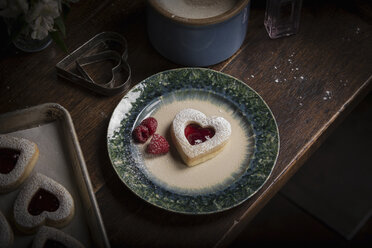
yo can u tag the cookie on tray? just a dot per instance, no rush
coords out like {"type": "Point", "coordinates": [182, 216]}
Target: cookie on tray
{"type": "Point", "coordinates": [51, 237]}
{"type": "Point", "coordinates": [17, 159]}
{"type": "Point", "coordinates": [6, 233]}
{"type": "Point", "coordinates": [42, 201]}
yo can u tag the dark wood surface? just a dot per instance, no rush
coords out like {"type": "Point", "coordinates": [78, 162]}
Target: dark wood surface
{"type": "Point", "coordinates": [334, 181]}
{"type": "Point", "coordinates": [333, 172]}
{"type": "Point", "coordinates": [311, 81]}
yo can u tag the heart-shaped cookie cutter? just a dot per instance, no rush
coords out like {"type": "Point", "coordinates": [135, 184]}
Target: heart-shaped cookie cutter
{"type": "Point", "coordinates": [103, 46]}
{"type": "Point", "coordinates": [106, 55]}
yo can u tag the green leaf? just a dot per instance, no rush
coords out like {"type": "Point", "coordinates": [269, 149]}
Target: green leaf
{"type": "Point", "coordinates": [65, 9]}
{"type": "Point", "coordinates": [56, 36]}
{"type": "Point", "coordinates": [60, 25]}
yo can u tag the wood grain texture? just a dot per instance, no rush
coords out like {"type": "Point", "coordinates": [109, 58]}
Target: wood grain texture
{"type": "Point", "coordinates": [334, 182]}
{"type": "Point", "coordinates": [310, 81]}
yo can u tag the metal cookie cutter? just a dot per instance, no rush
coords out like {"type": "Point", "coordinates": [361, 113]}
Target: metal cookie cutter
{"type": "Point", "coordinates": [104, 46]}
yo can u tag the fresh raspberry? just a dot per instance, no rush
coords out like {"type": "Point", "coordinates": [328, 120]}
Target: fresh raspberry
{"type": "Point", "coordinates": [151, 123]}
{"type": "Point", "coordinates": [158, 145]}
{"type": "Point", "coordinates": [141, 134]}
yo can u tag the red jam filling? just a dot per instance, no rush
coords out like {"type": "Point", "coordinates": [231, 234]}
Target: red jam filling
{"type": "Point", "coordinates": [196, 134]}
{"type": "Point", "coordinates": [8, 159]}
{"type": "Point", "coordinates": [42, 201]}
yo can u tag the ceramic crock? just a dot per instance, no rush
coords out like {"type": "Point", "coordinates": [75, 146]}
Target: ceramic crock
{"type": "Point", "coordinates": [197, 42]}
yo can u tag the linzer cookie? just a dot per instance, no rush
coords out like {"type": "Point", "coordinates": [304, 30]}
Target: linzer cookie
{"type": "Point", "coordinates": [17, 159]}
{"type": "Point", "coordinates": [197, 137]}
{"type": "Point", "coordinates": [42, 201]}
{"type": "Point", "coordinates": [51, 237]}
{"type": "Point", "coordinates": [6, 233]}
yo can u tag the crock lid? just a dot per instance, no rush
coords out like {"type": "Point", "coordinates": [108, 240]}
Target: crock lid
{"type": "Point", "coordinates": [200, 22]}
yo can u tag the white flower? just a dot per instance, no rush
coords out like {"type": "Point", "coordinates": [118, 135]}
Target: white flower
{"type": "Point", "coordinates": [41, 18]}
{"type": "Point", "coordinates": [13, 8]}
{"type": "Point", "coordinates": [43, 8]}
{"type": "Point", "coordinates": [41, 27]}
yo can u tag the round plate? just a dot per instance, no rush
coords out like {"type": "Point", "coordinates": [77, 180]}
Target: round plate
{"type": "Point", "coordinates": [220, 183]}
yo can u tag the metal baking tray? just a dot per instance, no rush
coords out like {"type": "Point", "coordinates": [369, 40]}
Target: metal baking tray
{"type": "Point", "coordinates": [50, 127]}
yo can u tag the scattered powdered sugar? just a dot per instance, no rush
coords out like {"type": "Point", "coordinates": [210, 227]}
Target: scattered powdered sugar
{"type": "Point", "coordinates": [292, 74]}
{"type": "Point", "coordinates": [294, 69]}
{"type": "Point", "coordinates": [300, 101]}
{"type": "Point", "coordinates": [351, 34]}
{"type": "Point", "coordinates": [344, 83]}
{"type": "Point", "coordinates": [327, 96]}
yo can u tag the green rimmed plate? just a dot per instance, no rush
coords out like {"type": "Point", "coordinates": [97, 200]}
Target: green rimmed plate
{"type": "Point", "coordinates": [221, 183]}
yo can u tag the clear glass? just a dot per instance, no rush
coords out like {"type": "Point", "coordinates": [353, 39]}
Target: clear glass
{"type": "Point", "coordinates": [27, 44]}
{"type": "Point", "coordinates": [23, 40]}
{"type": "Point", "coordinates": [282, 17]}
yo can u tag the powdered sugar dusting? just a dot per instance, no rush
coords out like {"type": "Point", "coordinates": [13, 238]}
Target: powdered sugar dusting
{"type": "Point", "coordinates": [27, 150]}
{"type": "Point", "coordinates": [64, 212]}
{"type": "Point", "coordinates": [6, 235]}
{"type": "Point", "coordinates": [46, 233]}
{"type": "Point", "coordinates": [187, 116]}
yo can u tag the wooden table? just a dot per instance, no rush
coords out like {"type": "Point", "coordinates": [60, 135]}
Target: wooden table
{"type": "Point", "coordinates": [311, 81]}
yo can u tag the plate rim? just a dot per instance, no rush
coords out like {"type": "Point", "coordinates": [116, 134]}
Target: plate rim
{"type": "Point", "coordinates": [142, 83]}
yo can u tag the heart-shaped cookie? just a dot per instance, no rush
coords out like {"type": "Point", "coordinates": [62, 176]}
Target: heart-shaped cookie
{"type": "Point", "coordinates": [6, 233]}
{"type": "Point", "coordinates": [17, 159]}
{"type": "Point", "coordinates": [197, 137]}
{"type": "Point", "coordinates": [51, 237]}
{"type": "Point", "coordinates": [42, 201]}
